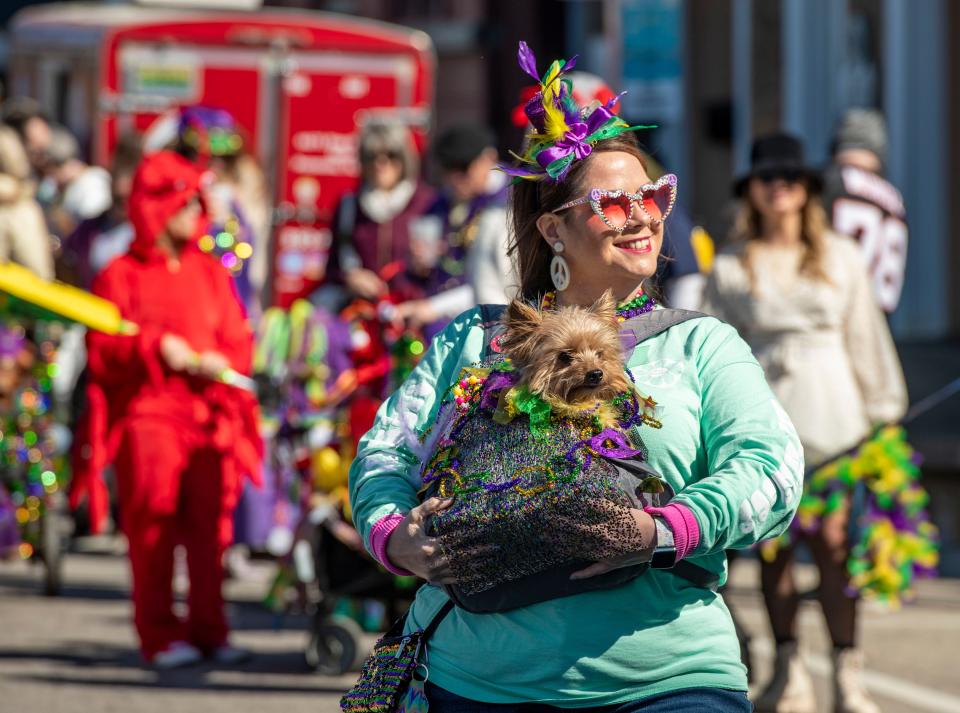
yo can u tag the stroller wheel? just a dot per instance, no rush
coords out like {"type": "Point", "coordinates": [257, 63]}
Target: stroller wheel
{"type": "Point", "coordinates": [333, 646]}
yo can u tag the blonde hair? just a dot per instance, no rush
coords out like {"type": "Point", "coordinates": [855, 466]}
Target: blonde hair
{"type": "Point", "coordinates": [748, 226]}
{"type": "Point", "coordinates": [390, 137]}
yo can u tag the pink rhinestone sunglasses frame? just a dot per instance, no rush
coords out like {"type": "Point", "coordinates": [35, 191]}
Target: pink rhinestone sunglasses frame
{"type": "Point", "coordinates": [598, 194]}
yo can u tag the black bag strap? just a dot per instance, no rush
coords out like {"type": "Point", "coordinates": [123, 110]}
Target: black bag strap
{"type": "Point", "coordinates": [491, 314]}
{"type": "Point", "coordinates": [640, 328]}
{"type": "Point", "coordinates": [437, 618]}
{"type": "Point", "coordinates": [654, 322]}
{"type": "Point", "coordinates": [694, 573]}
{"type": "Point", "coordinates": [397, 628]}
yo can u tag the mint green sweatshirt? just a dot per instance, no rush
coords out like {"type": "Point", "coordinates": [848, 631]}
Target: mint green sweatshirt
{"type": "Point", "coordinates": [727, 449]}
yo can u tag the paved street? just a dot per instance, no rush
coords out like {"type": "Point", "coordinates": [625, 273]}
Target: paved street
{"type": "Point", "coordinates": [77, 652]}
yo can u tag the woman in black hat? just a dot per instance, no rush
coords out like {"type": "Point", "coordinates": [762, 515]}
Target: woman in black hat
{"type": "Point", "coordinates": [800, 296]}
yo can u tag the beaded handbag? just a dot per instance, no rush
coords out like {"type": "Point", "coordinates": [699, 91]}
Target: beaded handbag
{"type": "Point", "coordinates": [386, 676]}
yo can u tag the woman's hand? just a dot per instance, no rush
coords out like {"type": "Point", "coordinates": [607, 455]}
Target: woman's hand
{"type": "Point", "coordinates": [646, 532]}
{"type": "Point", "coordinates": [410, 548]}
{"type": "Point", "coordinates": [212, 364]}
{"type": "Point", "coordinates": [415, 313]}
{"type": "Point", "coordinates": [365, 283]}
{"type": "Point", "coordinates": [176, 352]}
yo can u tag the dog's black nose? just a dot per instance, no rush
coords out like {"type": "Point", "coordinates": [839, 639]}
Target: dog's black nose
{"type": "Point", "coordinates": [594, 377]}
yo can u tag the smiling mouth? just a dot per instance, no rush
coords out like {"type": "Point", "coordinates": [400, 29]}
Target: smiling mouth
{"type": "Point", "coordinates": [637, 245]}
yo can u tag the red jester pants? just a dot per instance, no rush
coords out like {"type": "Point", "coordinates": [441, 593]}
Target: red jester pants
{"type": "Point", "coordinates": [172, 492]}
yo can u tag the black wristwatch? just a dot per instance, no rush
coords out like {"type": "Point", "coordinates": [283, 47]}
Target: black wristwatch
{"type": "Point", "coordinates": [665, 551]}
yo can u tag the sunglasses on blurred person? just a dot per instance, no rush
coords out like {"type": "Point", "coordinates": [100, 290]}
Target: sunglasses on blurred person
{"type": "Point", "coordinates": [786, 175]}
{"type": "Point", "coordinates": [372, 156]}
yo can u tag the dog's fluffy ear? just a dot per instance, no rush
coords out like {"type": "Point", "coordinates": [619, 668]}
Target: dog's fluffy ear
{"type": "Point", "coordinates": [521, 315]}
{"type": "Point", "coordinates": [521, 321]}
{"type": "Point", "coordinates": [605, 307]}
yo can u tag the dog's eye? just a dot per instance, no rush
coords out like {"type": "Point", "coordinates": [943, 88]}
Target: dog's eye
{"type": "Point", "coordinates": [565, 358]}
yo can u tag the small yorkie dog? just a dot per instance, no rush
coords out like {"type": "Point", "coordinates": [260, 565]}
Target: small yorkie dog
{"type": "Point", "coordinates": [569, 356]}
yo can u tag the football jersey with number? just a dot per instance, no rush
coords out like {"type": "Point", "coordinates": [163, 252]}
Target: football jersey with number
{"type": "Point", "coordinates": [868, 208]}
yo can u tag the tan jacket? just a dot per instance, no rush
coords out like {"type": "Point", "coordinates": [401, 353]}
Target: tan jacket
{"type": "Point", "coordinates": [15, 180]}
{"type": "Point", "coordinates": [825, 347]}
{"type": "Point", "coordinates": [23, 231]}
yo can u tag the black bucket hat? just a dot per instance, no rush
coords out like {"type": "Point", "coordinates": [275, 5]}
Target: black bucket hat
{"type": "Point", "coordinates": [459, 146]}
{"type": "Point", "coordinates": [778, 155]}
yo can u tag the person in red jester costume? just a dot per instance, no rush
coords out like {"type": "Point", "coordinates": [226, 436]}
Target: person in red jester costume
{"type": "Point", "coordinates": [181, 440]}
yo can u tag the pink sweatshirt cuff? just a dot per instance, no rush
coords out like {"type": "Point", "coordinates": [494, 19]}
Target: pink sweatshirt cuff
{"type": "Point", "coordinates": [380, 535]}
{"type": "Point", "coordinates": [680, 519]}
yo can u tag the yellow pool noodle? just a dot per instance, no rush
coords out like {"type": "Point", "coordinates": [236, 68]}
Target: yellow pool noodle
{"type": "Point", "coordinates": [69, 302]}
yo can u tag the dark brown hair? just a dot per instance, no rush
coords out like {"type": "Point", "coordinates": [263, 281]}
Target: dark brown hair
{"type": "Point", "coordinates": [531, 199]}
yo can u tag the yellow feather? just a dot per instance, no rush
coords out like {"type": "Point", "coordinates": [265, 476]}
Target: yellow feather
{"type": "Point", "coordinates": [523, 159]}
{"type": "Point", "coordinates": [551, 74]}
{"type": "Point", "coordinates": [555, 124]}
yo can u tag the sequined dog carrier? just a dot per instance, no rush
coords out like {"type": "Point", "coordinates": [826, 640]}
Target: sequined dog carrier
{"type": "Point", "coordinates": [537, 496]}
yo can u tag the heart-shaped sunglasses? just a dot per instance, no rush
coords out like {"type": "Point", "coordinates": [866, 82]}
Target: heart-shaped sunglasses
{"type": "Point", "coordinates": [615, 208]}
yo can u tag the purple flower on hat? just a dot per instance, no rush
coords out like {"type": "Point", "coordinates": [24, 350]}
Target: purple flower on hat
{"type": "Point", "coordinates": [572, 142]}
{"type": "Point", "coordinates": [563, 132]}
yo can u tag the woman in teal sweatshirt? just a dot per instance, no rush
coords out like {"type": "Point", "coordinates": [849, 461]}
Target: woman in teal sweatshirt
{"type": "Point", "coordinates": [658, 643]}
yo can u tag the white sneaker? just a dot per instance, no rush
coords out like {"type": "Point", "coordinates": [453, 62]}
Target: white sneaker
{"type": "Point", "coordinates": [177, 655]}
{"type": "Point", "coordinates": [230, 655]}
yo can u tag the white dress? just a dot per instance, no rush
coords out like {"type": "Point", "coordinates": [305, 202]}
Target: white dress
{"type": "Point", "coordinates": [825, 347]}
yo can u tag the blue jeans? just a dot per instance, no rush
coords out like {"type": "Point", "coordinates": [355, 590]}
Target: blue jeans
{"type": "Point", "coordinates": [690, 700]}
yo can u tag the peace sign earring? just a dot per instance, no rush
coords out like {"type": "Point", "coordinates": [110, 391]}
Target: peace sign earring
{"type": "Point", "coordinates": [559, 269]}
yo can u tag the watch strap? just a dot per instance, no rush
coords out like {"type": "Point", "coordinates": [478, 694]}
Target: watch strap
{"type": "Point", "coordinates": [665, 550]}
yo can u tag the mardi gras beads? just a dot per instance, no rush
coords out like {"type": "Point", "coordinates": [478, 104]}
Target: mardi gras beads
{"type": "Point", "coordinates": [466, 392]}
{"type": "Point", "coordinates": [640, 303]}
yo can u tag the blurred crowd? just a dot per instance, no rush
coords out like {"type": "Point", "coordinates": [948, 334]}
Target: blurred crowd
{"type": "Point", "coordinates": [406, 257]}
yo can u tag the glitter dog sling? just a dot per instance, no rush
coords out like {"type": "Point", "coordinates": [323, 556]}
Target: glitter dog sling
{"type": "Point", "coordinates": [537, 496]}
